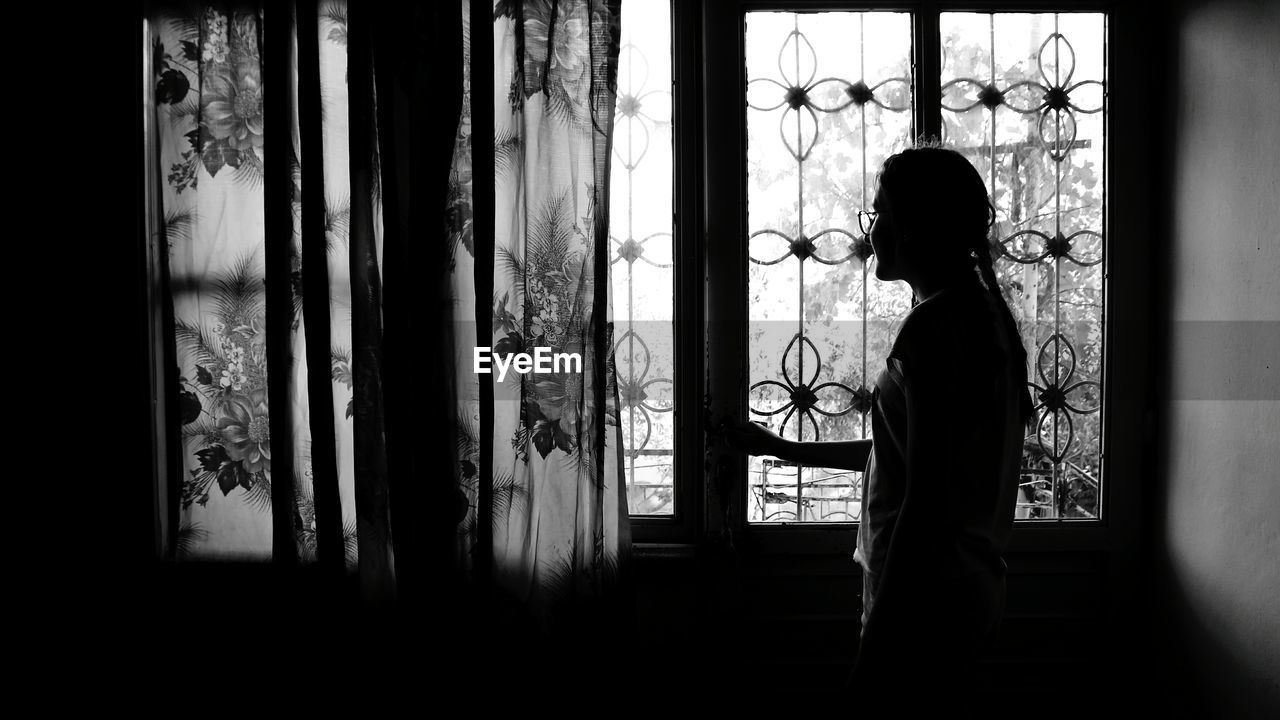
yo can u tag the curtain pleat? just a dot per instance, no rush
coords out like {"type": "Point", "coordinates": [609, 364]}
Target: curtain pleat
{"type": "Point", "coordinates": [419, 62]}
{"type": "Point", "coordinates": [277, 69]}
{"type": "Point", "coordinates": [474, 290]}
{"type": "Point", "coordinates": [320, 228]}
{"type": "Point", "coordinates": [371, 494]}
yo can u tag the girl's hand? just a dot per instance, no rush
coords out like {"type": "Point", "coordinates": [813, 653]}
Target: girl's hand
{"type": "Point", "coordinates": [753, 439]}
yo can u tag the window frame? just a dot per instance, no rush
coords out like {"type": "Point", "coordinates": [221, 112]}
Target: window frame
{"type": "Point", "coordinates": [709, 84]}
{"type": "Point", "coordinates": [682, 526]}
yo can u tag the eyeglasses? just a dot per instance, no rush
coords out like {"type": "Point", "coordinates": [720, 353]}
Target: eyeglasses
{"type": "Point", "coordinates": [866, 218]}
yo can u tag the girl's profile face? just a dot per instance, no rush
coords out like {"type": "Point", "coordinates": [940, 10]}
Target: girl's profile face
{"type": "Point", "coordinates": [884, 240]}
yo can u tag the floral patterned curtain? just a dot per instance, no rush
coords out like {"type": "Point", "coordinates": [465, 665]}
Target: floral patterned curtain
{"type": "Point", "coordinates": [552, 476]}
{"type": "Point", "coordinates": [249, 437]}
{"type": "Point", "coordinates": [558, 516]}
{"type": "Point", "coordinates": [210, 133]}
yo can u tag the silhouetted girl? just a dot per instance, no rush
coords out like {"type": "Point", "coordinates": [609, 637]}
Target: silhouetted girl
{"type": "Point", "coordinates": [948, 416]}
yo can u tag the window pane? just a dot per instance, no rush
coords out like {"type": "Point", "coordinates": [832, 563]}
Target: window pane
{"type": "Point", "coordinates": [1023, 99]}
{"type": "Point", "coordinates": [829, 97]}
{"type": "Point", "coordinates": [643, 258]}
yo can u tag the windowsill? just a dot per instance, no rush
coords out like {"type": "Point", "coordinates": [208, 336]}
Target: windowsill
{"type": "Point", "coordinates": [839, 539]}
{"type": "Point", "coordinates": [662, 551]}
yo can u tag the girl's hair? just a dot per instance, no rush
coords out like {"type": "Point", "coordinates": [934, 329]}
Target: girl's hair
{"type": "Point", "coordinates": [937, 196]}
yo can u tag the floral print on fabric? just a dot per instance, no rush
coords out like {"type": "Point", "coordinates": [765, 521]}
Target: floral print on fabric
{"type": "Point", "coordinates": [210, 70]}
{"type": "Point", "coordinates": [209, 105]}
{"type": "Point", "coordinates": [229, 419]}
{"type": "Point", "coordinates": [558, 513]}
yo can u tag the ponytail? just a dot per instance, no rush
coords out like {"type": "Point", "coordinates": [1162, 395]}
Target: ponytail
{"type": "Point", "coordinates": [988, 274]}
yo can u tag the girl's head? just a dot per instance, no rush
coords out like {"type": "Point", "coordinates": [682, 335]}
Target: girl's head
{"type": "Point", "coordinates": [933, 215]}
{"type": "Point", "coordinates": [932, 225]}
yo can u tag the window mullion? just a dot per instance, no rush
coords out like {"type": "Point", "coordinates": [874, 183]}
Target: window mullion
{"type": "Point", "coordinates": [724, 222]}
{"type": "Point", "coordinates": [927, 71]}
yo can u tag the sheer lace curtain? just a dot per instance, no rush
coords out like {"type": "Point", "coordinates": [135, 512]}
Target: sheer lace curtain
{"type": "Point", "coordinates": [305, 293]}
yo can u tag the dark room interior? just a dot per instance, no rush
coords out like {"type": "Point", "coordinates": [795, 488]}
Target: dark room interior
{"type": "Point", "coordinates": [680, 194]}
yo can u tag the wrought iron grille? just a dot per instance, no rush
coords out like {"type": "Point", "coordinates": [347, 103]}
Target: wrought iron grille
{"type": "Point", "coordinates": [643, 289]}
{"type": "Point", "coordinates": [829, 97]}
{"type": "Point", "coordinates": [1023, 97]}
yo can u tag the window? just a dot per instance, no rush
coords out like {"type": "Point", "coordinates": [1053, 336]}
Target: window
{"type": "Point", "coordinates": [1022, 96]}
{"type": "Point", "coordinates": [797, 105]}
{"type": "Point", "coordinates": [643, 261]}
{"type": "Point", "coordinates": [658, 283]}
{"type": "Point", "coordinates": [829, 97]}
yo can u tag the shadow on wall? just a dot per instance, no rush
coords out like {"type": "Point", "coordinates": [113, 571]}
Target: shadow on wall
{"type": "Point", "coordinates": [1218, 529]}
{"type": "Point", "coordinates": [1216, 672]}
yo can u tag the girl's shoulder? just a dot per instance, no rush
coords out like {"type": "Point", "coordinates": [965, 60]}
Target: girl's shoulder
{"type": "Point", "coordinates": [953, 326]}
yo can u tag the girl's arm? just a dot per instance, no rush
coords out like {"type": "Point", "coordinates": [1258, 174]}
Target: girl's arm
{"type": "Point", "coordinates": [839, 454]}
{"type": "Point", "coordinates": [754, 439]}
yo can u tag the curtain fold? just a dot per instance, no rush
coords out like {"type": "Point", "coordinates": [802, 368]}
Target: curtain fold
{"type": "Point", "coordinates": [373, 518]}
{"type": "Point", "coordinates": [419, 84]}
{"type": "Point", "coordinates": [340, 331]}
